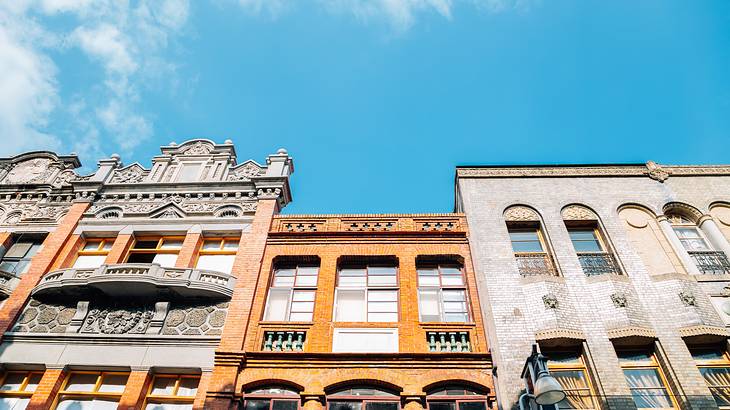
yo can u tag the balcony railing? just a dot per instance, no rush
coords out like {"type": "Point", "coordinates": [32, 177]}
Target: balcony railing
{"type": "Point", "coordinates": [598, 263]}
{"type": "Point", "coordinates": [284, 341]}
{"type": "Point", "coordinates": [448, 341]}
{"type": "Point", "coordinates": [711, 262]}
{"type": "Point", "coordinates": [535, 263]}
{"type": "Point", "coordinates": [138, 279]}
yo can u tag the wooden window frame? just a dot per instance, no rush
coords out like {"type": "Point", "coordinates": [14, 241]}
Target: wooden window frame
{"type": "Point", "coordinates": [367, 288]}
{"type": "Point", "coordinates": [157, 250]}
{"type": "Point", "coordinates": [362, 399]}
{"type": "Point", "coordinates": [292, 289]}
{"type": "Point", "coordinates": [18, 238]}
{"type": "Point", "coordinates": [537, 228]}
{"type": "Point", "coordinates": [271, 397]}
{"type": "Point", "coordinates": [596, 231]}
{"type": "Point", "coordinates": [100, 251]}
{"type": "Point", "coordinates": [724, 363]}
{"type": "Point", "coordinates": [580, 366]}
{"type": "Point", "coordinates": [173, 398]}
{"type": "Point", "coordinates": [221, 249]}
{"type": "Point", "coordinates": [456, 400]}
{"type": "Point", "coordinates": [440, 288]}
{"type": "Point", "coordinates": [63, 394]}
{"type": "Point", "coordinates": [21, 391]}
{"type": "Point", "coordinates": [652, 365]}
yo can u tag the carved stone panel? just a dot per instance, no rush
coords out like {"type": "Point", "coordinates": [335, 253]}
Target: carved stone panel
{"type": "Point", "coordinates": [520, 213]}
{"type": "Point", "coordinates": [578, 213]}
{"type": "Point", "coordinates": [33, 171]}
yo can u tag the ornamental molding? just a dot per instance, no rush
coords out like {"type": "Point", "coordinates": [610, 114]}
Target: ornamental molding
{"type": "Point", "coordinates": [630, 331]}
{"type": "Point", "coordinates": [173, 206]}
{"type": "Point", "coordinates": [702, 330]}
{"type": "Point", "coordinates": [246, 171]}
{"type": "Point", "coordinates": [198, 148]}
{"type": "Point", "coordinates": [578, 213]}
{"type": "Point", "coordinates": [651, 169]}
{"type": "Point", "coordinates": [550, 301]}
{"type": "Point", "coordinates": [38, 170]}
{"type": "Point", "coordinates": [557, 333]}
{"type": "Point", "coordinates": [682, 209]}
{"type": "Point", "coordinates": [520, 213]}
{"type": "Point", "coordinates": [687, 298]}
{"type": "Point", "coordinates": [129, 175]}
{"type": "Point", "coordinates": [21, 212]}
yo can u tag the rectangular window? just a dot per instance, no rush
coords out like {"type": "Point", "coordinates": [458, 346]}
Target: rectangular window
{"type": "Point", "coordinates": [691, 238]}
{"type": "Point", "coordinates": [526, 240]}
{"type": "Point", "coordinates": [92, 390]}
{"type": "Point", "coordinates": [172, 392]}
{"type": "Point", "coordinates": [442, 293]}
{"type": "Point", "coordinates": [16, 387]}
{"type": "Point", "coordinates": [365, 340]}
{"type": "Point", "coordinates": [366, 293]}
{"type": "Point", "coordinates": [569, 370]}
{"type": "Point", "coordinates": [93, 253]}
{"type": "Point", "coordinates": [16, 260]}
{"type": "Point", "coordinates": [645, 379]}
{"type": "Point", "coordinates": [585, 240]}
{"type": "Point", "coordinates": [217, 254]}
{"type": "Point", "coordinates": [714, 366]}
{"type": "Point", "coordinates": [291, 294]}
{"type": "Point", "coordinates": [162, 251]}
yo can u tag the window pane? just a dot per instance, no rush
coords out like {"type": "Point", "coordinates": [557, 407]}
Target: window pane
{"type": "Point", "coordinates": [310, 281]}
{"type": "Point", "coordinates": [113, 383]}
{"type": "Point", "coordinates": [188, 386]}
{"type": "Point", "coordinates": [166, 260]}
{"type": "Point", "coordinates": [212, 245]}
{"type": "Point", "coordinates": [33, 381]}
{"type": "Point", "coordinates": [171, 244]}
{"type": "Point", "coordinates": [8, 266]}
{"type": "Point", "coordinates": [12, 382]}
{"type": "Point", "coordinates": [452, 281]}
{"type": "Point", "coordinates": [428, 281]}
{"type": "Point", "coordinates": [643, 378]}
{"type": "Point", "coordinates": [351, 281]}
{"type": "Point", "coordinates": [145, 244]}
{"type": "Point", "coordinates": [694, 244]}
{"type": "Point", "coordinates": [688, 233]}
{"type": "Point", "coordinates": [92, 245]}
{"type": "Point", "coordinates": [527, 246]}
{"type": "Point", "coordinates": [303, 296]}
{"type": "Point", "coordinates": [382, 317]}
{"type": "Point", "coordinates": [89, 261]}
{"type": "Point", "coordinates": [87, 403]}
{"type": "Point", "coordinates": [635, 356]}
{"type": "Point", "coordinates": [108, 244]}
{"type": "Point", "coordinates": [257, 404]}
{"type": "Point", "coordinates": [352, 272]}
{"type": "Point", "coordinates": [308, 270]}
{"type": "Point", "coordinates": [582, 234]}
{"type": "Point", "coordinates": [381, 270]}
{"type": "Point", "coordinates": [169, 406]}
{"type": "Point", "coordinates": [350, 306]}
{"type": "Point", "coordinates": [450, 270]}
{"type": "Point", "coordinates": [454, 307]}
{"type": "Point", "coordinates": [300, 316]}
{"type": "Point", "coordinates": [428, 272]}
{"type": "Point", "coordinates": [18, 250]}
{"type": "Point", "coordinates": [379, 405]}
{"type": "Point", "coordinates": [299, 307]}
{"type": "Point", "coordinates": [651, 399]}
{"type": "Point", "coordinates": [454, 296]}
{"type": "Point", "coordinates": [472, 405]}
{"type": "Point", "coordinates": [33, 250]}
{"type": "Point", "coordinates": [218, 263]}
{"type": "Point", "coordinates": [456, 317]}
{"type": "Point", "coordinates": [522, 236]}
{"type": "Point", "coordinates": [22, 267]}
{"type": "Point", "coordinates": [379, 307]}
{"type": "Point", "coordinates": [587, 246]}
{"type": "Point", "coordinates": [284, 272]}
{"type": "Point", "coordinates": [347, 405]}
{"type": "Point", "coordinates": [441, 405]}
{"type": "Point", "coordinates": [141, 258]}
{"type": "Point", "coordinates": [14, 403]}
{"type": "Point", "coordinates": [429, 305]}
{"type": "Point", "coordinates": [276, 305]}
{"type": "Point", "coordinates": [382, 296]}
{"type": "Point", "coordinates": [283, 281]}
{"type": "Point", "coordinates": [163, 386]}
{"type": "Point", "coordinates": [230, 245]}
{"type": "Point", "coordinates": [716, 376]}
{"type": "Point", "coordinates": [382, 281]}
{"type": "Point", "coordinates": [81, 382]}
{"type": "Point", "coordinates": [284, 405]}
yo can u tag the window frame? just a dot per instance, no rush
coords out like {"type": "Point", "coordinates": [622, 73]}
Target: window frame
{"type": "Point", "coordinates": [271, 397]}
{"type": "Point", "coordinates": [100, 251]}
{"type": "Point", "coordinates": [367, 289]}
{"type": "Point", "coordinates": [158, 249]}
{"type": "Point", "coordinates": [21, 392]}
{"type": "Point", "coordinates": [221, 248]}
{"type": "Point", "coordinates": [581, 366]}
{"type": "Point", "coordinates": [174, 398]}
{"type": "Point", "coordinates": [63, 394]}
{"type": "Point", "coordinates": [678, 221]}
{"type": "Point", "coordinates": [332, 397]}
{"type": "Point", "coordinates": [653, 364]}
{"type": "Point", "coordinates": [291, 290]}
{"type": "Point", "coordinates": [596, 232]}
{"type": "Point", "coordinates": [15, 239]}
{"type": "Point", "coordinates": [724, 363]}
{"type": "Point", "coordinates": [534, 228]}
{"type": "Point", "coordinates": [441, 287]}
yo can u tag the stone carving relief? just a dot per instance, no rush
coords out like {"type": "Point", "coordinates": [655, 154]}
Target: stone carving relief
{"type": "Point", "coordinates": [619, 300]}
{"type": "Point", "coordinates": [32, 171]}
{"type": "Point", "coordinates": [187, 204]}
{"type": "Point", "coordinates": [129, 175]}
{"type": "Point", "coordinates": [33, 212]}
{"type": "Point", "coordinates": [682, 209]}
{"type": "Point", "coordinates": [687, 298]}
{"type": "Point", "coordinates": [245, 172]}
{"type": "Point", "coordinates": [656, 172]}
{"type": "Point", "coordinates": [578, 213]}
{"type": "Point", "coordinates": [550, 301]}
{"type": "Point", "coordinates": [520, 213]}
{"type": "Point", "coordinates": [199, 148]}
{"type": "Point", "coordinates": [98, 318]}
{"type": "Point", "coordinates": [64, 178]}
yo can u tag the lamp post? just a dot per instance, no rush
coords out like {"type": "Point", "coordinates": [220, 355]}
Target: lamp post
{"type": "Point", "coordinates": [545, 388]}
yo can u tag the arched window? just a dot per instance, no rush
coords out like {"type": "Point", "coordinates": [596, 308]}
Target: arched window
{"type": "Point", "coordinates": [589, 241]}
{"type": "Point", "coordinates": [683, 219]}
{"type": "Point", "coordinates": [271, 398]}
{"type": "Point", "coordinates": [456, 398]}
{"type": "Point", "coordinates": [529, 242]}
{"type": "Point", "coordinates": [363, 398]}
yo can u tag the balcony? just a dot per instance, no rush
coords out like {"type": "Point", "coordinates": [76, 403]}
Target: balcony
{"type": "Point", "coordinates": [598, 263]}
{"type": "Point", "coordinates": [711, 262]}
{"type": "Point", "coordinates": [284, 341]}
{"type": "Point", "coordinates": [138, 280]}
{"type": "Point", "coordinates": [448, 341]}
{"type": "Point", "coordinates": [535, 264]}
{"type": "Point", "coordinates": [8, 282]}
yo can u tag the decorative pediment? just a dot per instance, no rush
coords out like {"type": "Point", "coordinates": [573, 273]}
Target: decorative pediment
{"type": "Point", "coordinates": [246, 171]}
{"type": "Point", "coordinates": [198, 148]}
{"type": "Point", "coordinates": [38, 168]}
{"type": "Point", "coordinates": [130, 174]}
{"type": "Point", "coordinates": [169, 211]}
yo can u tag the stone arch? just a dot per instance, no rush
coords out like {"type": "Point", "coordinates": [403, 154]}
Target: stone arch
{"type": "Point", "coordinates": [469, 384]}
{"type": "Point", "coordinates": [228, 211]}
{"type": "Point", "coordinates": [387, 386]}
{"type": "Point", "coordinates": [112, 212]}
{"type": "Point", "coordinates": [272, 382]}
{"type": "Point", "coordinates": [578, 212]}
{"type": "Point", "coordinates": [682, 209]}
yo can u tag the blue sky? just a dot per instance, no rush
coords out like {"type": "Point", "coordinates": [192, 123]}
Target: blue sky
{"type": "Point", "coordinates": [376, 100]}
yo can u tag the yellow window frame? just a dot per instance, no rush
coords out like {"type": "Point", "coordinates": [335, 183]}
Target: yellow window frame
{"type": "Point", "coordinates": [580, 366]}
{"type": "Point", "coordinates": [596, 232]}
{"type": "Point", "coordinates": [64, 394]}
{"type": "Point", "coordinates": [540, 237]}
{"type": "Point", "coordinates": [652, 365]}
{"type": "Point", "coordinates": [20, 392]}
{"type": "Point", "coordinates": [171, 398]}
{"type": "Point", "coordinates": [221, 247]}
{"type": "Point", "coordinates": [158, 248]}
{"type": "Point", "coordinates": [723, 363]}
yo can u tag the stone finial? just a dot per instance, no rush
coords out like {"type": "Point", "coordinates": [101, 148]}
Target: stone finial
{"type": "Point", "coordinates": [550, 301]}
{"type": "Point", "coordinates": [282, 151]}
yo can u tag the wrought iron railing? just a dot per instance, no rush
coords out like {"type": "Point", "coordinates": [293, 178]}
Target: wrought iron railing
{"type": "Point", "coordinates": [711, 262]}
{"type": "Point", "coordinates": [448, 341]}
{"type": "Point", "coordinates": [535, 263]}
{"type": "Point", "coordinates": [598, 263]}
{"type": "Point", "coordinates": [284, 341]}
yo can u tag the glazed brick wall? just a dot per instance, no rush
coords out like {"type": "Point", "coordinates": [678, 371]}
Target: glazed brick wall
{"type": "Point", "coordinates": [41, 264]}
{"type": "Point", "coordinates": [515, 312]}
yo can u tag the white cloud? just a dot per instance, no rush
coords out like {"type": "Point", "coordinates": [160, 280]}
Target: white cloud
{"type": "Point", "coordinates": [108, 45]}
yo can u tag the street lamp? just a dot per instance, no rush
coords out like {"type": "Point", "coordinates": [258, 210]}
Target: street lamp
{"type": "Point", "coordinates": [545, 389]}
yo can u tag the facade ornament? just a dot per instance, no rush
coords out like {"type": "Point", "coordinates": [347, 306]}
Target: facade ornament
{"type": "Point", "coordinates": [130, 175]}
{"type": "Point", "coordinates": [578, 213]}
{"type": "Point", "coordinates": [245, 172]}
{"type": "Point", "coordinates": [119, 321]}
{"type": "Point", "coordinates": [619, 300]}
{"type": "Point", "coordinates": [725, 291]}
{"type": "Point", "coordinates": [269, 193]}
{"type": "Point", "coordinates": [656, 172]}
{"type": "Point", "coordinates": [687, 298]}
{"type": "Point", "coordinates": [199, 148]}
{"type": "Point", "coordinates": [64, 178]}
{"type": "Point", "coordinates": [550, 301]}
{"type": "Point", "coordinates": [682, 209]}
{"type": "Point", "coordinates": [520, 213]}
{"type": "Point", "coordinates": [32, 171]}
{"type": "Point", "coordinates": [13, 218]}
{"type": "Point", "coordinates": [169, 214]}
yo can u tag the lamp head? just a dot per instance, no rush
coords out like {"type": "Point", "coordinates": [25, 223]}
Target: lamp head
{"type": "Point", "coordinates": [547, 390]}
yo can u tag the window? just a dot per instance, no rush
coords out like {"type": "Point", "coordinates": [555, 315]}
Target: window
{"type": "Point", "coordinates": [17, 387]}
{"type": "Point", "coordinates": [585, 240]}
{"type": "Point", "coordinates": [188, 171]}
{"type": "Point", "coordinates": [92, 390]}
{"type": "Point", "coordinates": [592, 253]}
{"type": "Point", "coordinates": [363, 398]}
{"type": "Point", "coordinates": [271, 398]}
{"type": "Point", "coordinates": [569, 370]}
{"type": "Point", "coordinates": [456, 398]}
{"type": "Point", "coordinates": [442, 293]}
{"type": "Point", "coordinates": [292, 291]}
{"type": "Point", "coordinates": [93, 254]}
{"type": "Point", "coordinates": [172, 392]}
{"type": "Point", "coordinates": [688, 233]}
{"type": "Point", "coordinates": [714, 365]}
{"type": "Point", "coordinates": [645, 378]}
{"type": "Point", "coordinates": [17, 258]}
{"type": "Point", "coordinates": [367, 293]}
{"type": "Point", "coordinates": [162, 251]}
{"type": "Point", "coordinates": [526, 240]}
{"type": "Point", "coordinates": [530, 250]}
{"type": "Point", "coordinates": [365, 340]}
{"type": "Point", "coordinates": [217, 254]}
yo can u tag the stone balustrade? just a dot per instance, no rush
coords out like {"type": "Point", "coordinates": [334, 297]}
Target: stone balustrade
{"type": "Point", "coordinates": [448, 341]}
{"type": "Point", "coordinates": [284, 341]}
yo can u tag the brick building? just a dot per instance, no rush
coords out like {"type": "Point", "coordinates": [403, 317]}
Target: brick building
{"type": "Point", "coordinates": [179, 286]}
{"type": "Point", "coordinates": [618, 272]}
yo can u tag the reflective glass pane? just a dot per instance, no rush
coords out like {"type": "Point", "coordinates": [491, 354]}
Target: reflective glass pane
{"type": "Point", "coordinates": [166, 260]}
{"type": "Point", "coordinates": [643, 378]}
{"type": "Point", "coordinates": [276, 305]}
{"type": "Point", "coordinates": [382, 296]}
{"type": "Point", "coordinates": [146, 244]}
{"type": "Point", "coordinates": [212, 245]}
{"type": "Point", "coordinates": [454, 307]}
{"type": "Point", "coordinates": [352, 281]}
{"type": "Point", "coordinates": [284, 405]}
{"type": "Point", "coordinates": [81, 382]}
{"type": "Point", "coordinates": [429, 305]}
{"type": "Point", "coordinates": [108, 244]}
{"type": "Point", "coordinates": [452, 280]}
{"type": "Point", "coordinates": [472, 405]}
{"type": "Point", "coordinates": [12, 382]}
{"type": "Point", "coordinates": [454, 295]}
{"type": "Point", "coordinates": [350, 306]}
{"type": "Point", "coordinates": [257, 404]}
{"type": "Point", "coordinates": [523, 236]}
{"type": "Point", "coordinates": [651, 399]}
{"type": "Point", "coordinates": [352, 272]}
{"type": "Point", "coordinates": [89, 261]}
{"type": "Point", "coordinates": [382, 281]}
{"type": "Point", "coordinates": [302, 307]}
{"type": "Point", "coordinates": [163, 386]}
{"type": "Point", "coordinates": [428, 272]}
{"type": "Point", "coordinates": [587, 246]}
{"type": "Point", "coordinates": [283, 281]}
{"type": "Point", "coordinates": [92, 245]}
{"type": "Point", "coordinates": [310, 281]}
{"type": "Point", "coordinates": [218, 263]}
{"type": "Point", "coordinates": [300, 316]}
{"type": "Point", "coordinates": [188, 386]}
{"type": "Point", "coordinates": [381, 270]}
{"type": "Point", "coordinates": [345, 405]}
{"type": "Point", "coordinates": [379, 307]}
{"type": "Point", "coordinates": [450, 270]}
{"type": "Point", "coordinates": [582, 234]}
{"type": "Point", "coordinates": [428, 281]}
{"type": "Point", "coordinates": [382, 405]}
{"type": "Point", "coordinates": [441, 405]}
{"type": "Point", "coordinates": [230, 245]}
{"type": "Point", "coordinates": [308, 270]}
{"type": "Point", "coordinates": [456, 317]}
{"type": "Point", "coordinates": [303, 296]}
{"type": "Point", "coordinates": [87, 403]}
{"type": "Point", "coordinates": [382, 317]}
{"type": "Point", "coordinates": [171, 243]}
{"type": "Point", "coordinates": [284, 272]}
{"type": "Point", "coordinates": [113, 383]}
{"type": "Point", "coordinates": [168, 406]}
{"type": "Point", "coordinates": [33, 381]}
{"type": "Point", "coordinates": [18, 250]}
{"type": "Point", "coordinates": [14, 403]}
{"type": "Point", "coordinates": [527, 246]}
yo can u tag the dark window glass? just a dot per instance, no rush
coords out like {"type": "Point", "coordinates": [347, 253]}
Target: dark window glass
{"type": "Point", "coordinates": [141, 258]}
{"type": "Point", "coordinates": [381, 405]}
{"type": "Point", "coordinates": [145, 245]}
{"type": "Point", "coordinates": [284, 405]}
{"type": "Point", "coordinates": [442, 405]}
{"type": "Point", "coordinates": [257, 404]}
{"type": "Point", "coordinates": [345, 405]}
{"type": "Point", "coordinates": [472, 405]}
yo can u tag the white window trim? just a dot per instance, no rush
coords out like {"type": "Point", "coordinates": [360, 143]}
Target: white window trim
{"type": "Point", "coordinates": [339, 332]}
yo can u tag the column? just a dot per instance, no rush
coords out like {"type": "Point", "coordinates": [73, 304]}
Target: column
{"type": "Point", "coordinates": [713, 233]}
{"type": "Point", "coordinates": [135, 390]}
{"type": "Point", "coordinates": [121, 244]}
{"type": "Point", "coordinates": [47, 389]}
{"type": "Point", "coordinates": [40, 264]}
{"type": "Point", "coordinates": [687, 260]}
{"type": "Point", "coordinates": [189, 250]}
